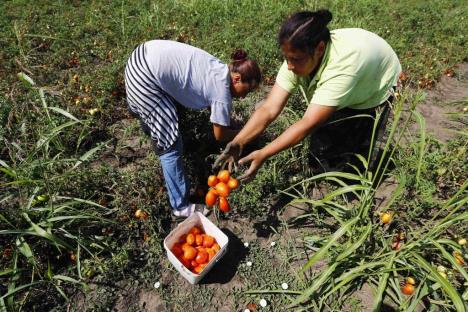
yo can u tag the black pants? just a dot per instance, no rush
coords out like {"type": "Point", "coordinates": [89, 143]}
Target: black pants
{"type": "Point", "coordinates": [334, 144]}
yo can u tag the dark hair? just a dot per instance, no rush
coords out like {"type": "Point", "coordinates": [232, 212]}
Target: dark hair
{"type": "Point", "coordinates": [304, 30]}
{"type": "Point", "coordinates": [247, 68]}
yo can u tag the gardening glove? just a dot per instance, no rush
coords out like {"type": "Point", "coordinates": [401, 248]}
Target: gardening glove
{"type": "Point", "coordinates": [229, 156]}
{"type": "Point", "coordinates": [256, 160]}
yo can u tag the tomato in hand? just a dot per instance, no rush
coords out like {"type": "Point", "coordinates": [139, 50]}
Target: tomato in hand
{"type": "Point", "coordinates": [212, 180]}
{"type": "Point", "coordinates": [222, 189]}
{"type": "Point", "coordinates": [224, 204]}
{"type": "Point", "coordinates": [233, 183]}
{"type": "Point", "coordinates": [210, 198]}
{"type": "Point", "coordinates": [224, 176]}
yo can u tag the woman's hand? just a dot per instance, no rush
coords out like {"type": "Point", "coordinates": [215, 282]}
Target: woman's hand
{"type": "Point", "coordinates": [256, 159]}
{"type": "Point", "coordinates": [229, 156]}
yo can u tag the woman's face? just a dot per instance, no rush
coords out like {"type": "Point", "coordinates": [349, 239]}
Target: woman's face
{"type": "Point", "coordinates": [239, 88]}
{"type": "Point", "coordinates": [302, 63]}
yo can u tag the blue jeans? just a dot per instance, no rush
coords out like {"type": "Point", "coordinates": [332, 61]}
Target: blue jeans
{"type": "Point", "coordinates": [174, 175]}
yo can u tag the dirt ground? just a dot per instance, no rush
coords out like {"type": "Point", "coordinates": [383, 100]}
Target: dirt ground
{"type": "Point", "coordinates": [435, 108]}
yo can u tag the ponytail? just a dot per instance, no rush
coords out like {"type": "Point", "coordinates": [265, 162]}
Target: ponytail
{"type": "Point", "coordinates": [304, 30]}
{"type": "Point", "coordinates": [246, 67]}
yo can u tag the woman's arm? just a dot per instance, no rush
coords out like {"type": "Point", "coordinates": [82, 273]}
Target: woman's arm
{"type": "Point", "coordinates": [263, 116]}
{"type": "Point", "coordinates": [224, 134]}
{"type": "Point", "coordinates": [260, 119]}
{"type": "Point", "coordinates": [314, 116]}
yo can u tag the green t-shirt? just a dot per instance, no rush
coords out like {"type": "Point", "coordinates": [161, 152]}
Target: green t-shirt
{"type": "Point", "coordinates": [357, 71]}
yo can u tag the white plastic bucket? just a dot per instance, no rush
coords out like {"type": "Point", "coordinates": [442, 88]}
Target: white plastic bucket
{"type": "Point", "coordinates": [208, 227]}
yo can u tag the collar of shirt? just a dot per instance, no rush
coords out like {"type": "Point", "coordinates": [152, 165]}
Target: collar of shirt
{"type": "Point", "coordinates": [310, 84]}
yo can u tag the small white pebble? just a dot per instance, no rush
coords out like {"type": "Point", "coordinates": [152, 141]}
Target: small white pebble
{"type": "Point", "coordinates": [157, 285]}
{"type": "Point", "coordinates": [263, 303]}
{"type": "Point", "coordinates": [284, 286]}
{"type": "Point", "coordinates": [246, 244]}
{"type": "Point", "coordinates": [272, 244]}
{"type": "Point", "coordinates": [249, 263]}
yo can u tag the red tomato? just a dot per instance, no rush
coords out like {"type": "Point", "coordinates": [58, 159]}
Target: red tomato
{"type": "Point", "coordinates": [177, 250]}
{"type": "Point", "coordinates": [208, 241]}
{"type": "Point", "coordinates": [198, 240]}
{"type": "Point", "coordinates": [211, 253]}
{"type": "Point", "coordinates": [407, 289]}
{"type": "Point", "coordinates": [198, 269]}
{"type": "Point", "coordinates": [195, 230]}
{"type": "Point", "coordinates": [190, 239]}
{"type": "Point", "coordinates": [190, 253]}
{"type": "Point", "coordinates": [222, 189]}
{"type": "Point", "coordinates": [216, 248]}
{"type": "Point", "coordinates": [232, 183]}
{"type": "Point", "coordinates": [202, 257]}
{"type": "Point", "coordinates": [224, 176]}
{"type": "Point", "coordinates": [210, 198]}
{"type": "Point", "coordinates": [224, 204]}
{"type": "Point", "coordinates": [183, 238]}
{"type": "Point", "coordinates": [212, 180]}
{"type": "Point", "coordinates": [185, 262]}
{"type": "Point", "coordinates": [185, 246]}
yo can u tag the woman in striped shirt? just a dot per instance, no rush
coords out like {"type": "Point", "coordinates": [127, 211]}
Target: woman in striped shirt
{"type": "Point", "coordinates": [162, 74]}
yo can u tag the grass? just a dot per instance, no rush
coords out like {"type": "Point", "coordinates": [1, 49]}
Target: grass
{"type": "Point", "coordinates": [70, 181]}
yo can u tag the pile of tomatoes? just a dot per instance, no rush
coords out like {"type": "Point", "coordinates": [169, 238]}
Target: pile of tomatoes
{"type": "Point", "coordinates": [195, 249]}
{"type": "Point", "coordinates": [220, 187]}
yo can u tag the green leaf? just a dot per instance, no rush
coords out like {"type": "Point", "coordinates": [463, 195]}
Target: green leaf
{"type": "Point", "coordinates": [422, 143]}
{"type": "Point", "coordinates": [24, 248]}
{"type": "Point", "coordinates": [316, 284]}
{"type": "Point", "coordinates": [64, 113]}
{"type": "Point", "coordinates": [17, 289]}
{"type": "Point", "coordinates": [451, 259]}
{"type": "Point", "coordinates": [382, 285]}
{"type": "Point", "coordinates": [350, 249]}
{"type": "Point", "coordinates": [448, 289]}
{"type": "Point", "coordinates": [43, 233]}
{"type": "Point", "coordinates": [87, 155]}
{"type": "Point", "coordinates": [323, 251]}
{"type": "Point", "coordinates": [27, 81]}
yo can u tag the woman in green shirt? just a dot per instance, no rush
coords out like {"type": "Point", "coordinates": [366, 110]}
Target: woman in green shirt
{"type": "Point", "coordinates": [342, 73]}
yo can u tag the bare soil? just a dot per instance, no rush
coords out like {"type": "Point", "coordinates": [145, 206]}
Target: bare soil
{"type": "Point", "coordinates": [438, 103]}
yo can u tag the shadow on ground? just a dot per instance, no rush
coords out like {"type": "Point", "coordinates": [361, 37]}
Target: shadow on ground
{"type": "Point", "coordinates": [226, 269]}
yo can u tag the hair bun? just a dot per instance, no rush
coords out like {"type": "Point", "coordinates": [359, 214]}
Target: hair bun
{"type": "Point", "coordinates": [239, 55]}
{"type": "Point", "coordinates": [324, 15]}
